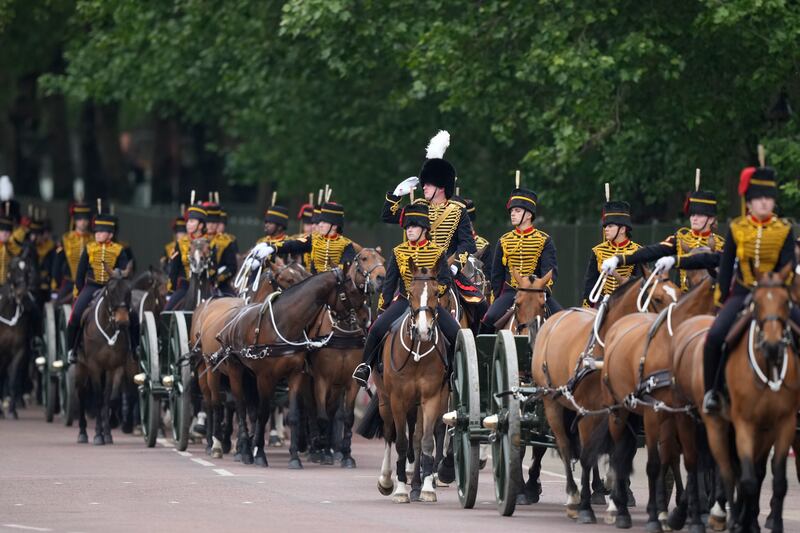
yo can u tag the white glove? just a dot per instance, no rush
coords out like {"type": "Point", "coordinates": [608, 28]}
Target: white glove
{"type": "Point", "coordinates": [262, 250]}
{"type": "Point", "coordinates": [406, 186]}
{"type": "Point", "coordinates": [251, 264]}
{"type": "Point", "coordinates": [610, 264]}
{"type": "Point", "coordinates": [665, 263]}
{"type": "Point", "coordinates": [454, 269]}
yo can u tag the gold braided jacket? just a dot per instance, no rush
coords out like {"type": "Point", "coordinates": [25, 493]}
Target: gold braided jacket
{"type": "Point", "coordinates": [522, 251]}
{"type": "Point", "coordinates": [424, 255]}
{"type": "Point", "coordinates": [685, 240]}
{"type": "Point", "coordinates": [326, 253]}
{"type": "Point", "coordinates": [102, 256]}
{"type": "Point", "coordinates": [73, 244]}
{"type": "Point", "coordinates": [5, 261]}
{"type": "Point", "coordinates": [607, 249]}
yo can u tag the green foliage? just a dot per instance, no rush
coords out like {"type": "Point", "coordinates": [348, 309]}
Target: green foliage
{"type": "Point", "coordinates": [575, 93]}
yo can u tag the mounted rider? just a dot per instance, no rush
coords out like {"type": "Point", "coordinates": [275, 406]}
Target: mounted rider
{"type": "Point", "coordinates": [100, 257]}
{"type": "Point", "coordinates": [701, 207]}
{"type": "Point", "coordinates": [306, 217]}
{"type": "Point", "coordinates": [70, 249]}
{"type": "Point", "coordinates": [6, 253]}
{"type": "Point", "coordinates": [178, 270]}
{"type": "Point", "coordinates": [755, 243]}
{"type": "Point", "coordinates": [328, 247]}
{"type": "Point", "coordinates": [617, 229]}
{"type": "Point", "coordinates": [415, 220]}
{"type": "Point", "coordinates": [178, 227]}
{"type": "Point", "coordinates": [40, 234]}
{"type": "Point", "coordinates": [225, 249]}
{"type": "Point", "coordinates": [526, 249]}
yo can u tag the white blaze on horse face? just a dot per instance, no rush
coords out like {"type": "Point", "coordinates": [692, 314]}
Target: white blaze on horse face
{"type": "Point", "coordinates": [671, 292]}
{"type": "Point", "coordinates": [422, 319]}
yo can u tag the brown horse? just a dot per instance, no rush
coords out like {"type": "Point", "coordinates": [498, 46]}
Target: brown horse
{"type": "Point", "coordinates": [568, 348]}
{"type": "Point", "coordinates": [414, 374]}
{"type": "Point", "coordinates": [209, 320]}
{"type": "Point", "coordinates": [16, 305]}
{"type": "Point", "coordinates": [200, 283]}
{"type": "Point", "coordinates": [103, 355]}
{"type": "Point", "coordinates": [637, 378]}
{"type": "Point", "coordinates": [149, 293]}
{"type": "Point", "coordinates": [332, 365]}
{"type": "Point", "coordinates": [271, 340]}
{"type": "Point", "coordinates": [762, 379]}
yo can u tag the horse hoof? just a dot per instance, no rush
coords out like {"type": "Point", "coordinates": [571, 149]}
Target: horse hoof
{"type": "Point", "coordinates": [586, 516]}
{"type": "Point", "coordinates": [446, 473]}
{"type": "Point", "coordinates": [598, 498]}
{"type": "Point", "coordinates": [260, 460]}
{"type": "Point", "coordinates": [401, 498]}
{"type": "Point", "coordinates": [415, 495]}
{"type": "Point", "coordinates": [676, 519]}
{"type": "Point", "coordinates": [327, 460]}
{"type": "Point", "coordinates": [348, 462]}
{"type": "Point", "coordinates": [337, 457]}
{"type": "Point", "coordinates": [98, 440]}
{"type": "Point", "coordinates": [247, 458]}
{"type": "Point", "coordinates": [652, 527]}
{"type": "Point", "coordinates": [83, 438]}
{"type": "Point", "coordinates": [226, 446]}
{"type": "Point", "coordinates": [610, 518]}
{"type": "Point", "coordinates": [385, 491]}
{"type": "Point", "coordinates": [208, 450]}
{"type": "Point", "coordinates": [237, 457]}
{"type": "Point", "coordinates": [532, 492]}
{"type": "Point", "coordinates": [624, 521]}
{"type": "Point", "coordinates": [717, 523]}
{"type": "Point", "coordinates": [295, 464]}
{"type": "Point", "coordinates": [127, 428]}
{"type": "Point", "coordinates": [522, 499]}
{"type": "Point", "coordinates": [275, 441]}
{"type": "Point", "coordinates": [427, 496]}
{"type": "Point", "coordinates": [482, 463]}
{"type": "Point", "coordinates": [572, 511]}
{"type": "Point", "coordinates": [107, 439]}
{"type": "Point", "coordinates": [697, 528]}
{"type": "Point", "coordinates": [315, 457]}
{"type": "Point", "coordinates": [216, 453]}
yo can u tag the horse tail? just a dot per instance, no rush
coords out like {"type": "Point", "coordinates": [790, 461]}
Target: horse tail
{"type": "Point", "coordinates": [600, 442]}
{"type": "Point", "coordinates": [371, 425]}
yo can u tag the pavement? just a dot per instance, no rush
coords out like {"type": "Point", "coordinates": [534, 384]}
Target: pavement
{"type": "Point", "coordinates": [50, 483]}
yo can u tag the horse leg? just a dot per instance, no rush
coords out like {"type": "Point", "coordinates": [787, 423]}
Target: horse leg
{"type": "Point", "coordinates": [295, 381]}
{"type": "Point", "coordinates": [385, 483]}
{"type": "Point", "coordinates": [779, 482]}
{"type": "Point", "coordinates": [432, 409]}
{"type": "Point", "coordinates": [348, 407]}
{"type": "Point", "coordinates": [533, 487]}
{"type": "Point", "coordinates": [83, 437]}
{"type": "Point", "coordinates": [718, 432]}
{"type": "Point", "coordinates": [415, 430]}
{"type": "Point", "coordinates": [749, 480]}
{"type": "Point", "coordinates": [599, 490]}
{"type": "Point", "coordinates": [266, 386]}
{"type": "Point", "coordinates": [555, 417]}
{"type": "Point", "coordinates": [400, 416]}
{"type": "Point", "coordinates": [321, 390]}
{"type": "Point", "coordinates": [227, 427]}
{"type": "Point", "coordinates": [217, 414]}
{"type": "Point", "coordinates": [101, 407]}
{"type": "Point", "coordinates": [244, 452]}
{"type": "Point", "coordinates": [621, 463]}
{"type": "Point", "coordinates": [112, 398]}
{"type": "Point", "coordinates": [14, 381]}
{"type": "Point", "coordinates": [655, 477]}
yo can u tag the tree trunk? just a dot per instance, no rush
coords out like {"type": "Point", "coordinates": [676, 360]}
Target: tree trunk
{"type": "Point", "coordinates": [91, 168]}
{"type": "Point", "coordinates": [24, 117]}
{"type": "Point", "coordinates": [106, 119]}
{"type": "Point", "coordinates": [58, 137]}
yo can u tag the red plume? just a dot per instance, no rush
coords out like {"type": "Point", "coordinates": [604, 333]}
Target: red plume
{"type": "Point", "coordinates": [303, 209]}
{"type": "Point", "coordinates": [686, 204]}
{"type": "Point", "coordinates": [744, 179]}
{"type": "Point", "coordinates": [402, 214]}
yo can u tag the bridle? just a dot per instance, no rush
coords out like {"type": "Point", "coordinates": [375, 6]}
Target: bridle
{"type": "Point", "coordinates": [756, 341]}
{"type": "Point", "coordinates": [111, 340]}
{"type": "Point", "coordinates": [520, 325]}
{"type": "Point", "coordinates": [17, 299]}
{"type": "Point", "coordinates": [349, 313]}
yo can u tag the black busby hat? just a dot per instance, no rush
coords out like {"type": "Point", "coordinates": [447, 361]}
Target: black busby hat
{"type": "Point", "coordinates": [332, 213]}
{"type": "Point", "coordinates": [617, 212]}
{"type": "Point", "coordinates": [277, 214]}
{"type": "Point", "coordinates": [179, 224]}
{"type": "Point", "coordinates": [213, 212]}
{"type": "Point", "coordinates": [6, 224]}
{"type": "Point", "coordinates": [436, 170]}
{"type": "Point", "coordinates": [761, 182]}
{"type": "Point", "coordinates": [469, 205]}
{"type": "Point", "coordinates": [196, 212]}
{"type": "Point", "coordinates": [523, 198]}
{"type": "Point", "coordinates": [36, 226]}
{"type": "Point", "coordinates": [701, 203]}
{"type": "Point", "coordinates": [80, 210]}
{"type": "Point", "coordinates": [416, 214]}
{"type": "Point", "coordinates": [306, 213]}
{"type": "Point", "coordinates": [105, 222]}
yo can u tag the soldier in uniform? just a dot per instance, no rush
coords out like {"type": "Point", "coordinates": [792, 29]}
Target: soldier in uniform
{"type": "Point", "coordinates": [276, 218]}
{"type": "Point", "coordinates": [225, 249]}
{"type": "Point", "coordinates": [415, 219]}
{"type": "Point", "coordinates": [617, 232]}
{"type": "Point", "coordinates": [526, 249]}
{"type": "Point", "coordinates": [45, 255]}
{"type": "Point", "coordinates": [178, 231]}
{"type": "Point", "coordinates": [70, 249]}
{"type": "Point", "coordinates": [305, 216]}
{"type": "Point", "coordinates": [99, 256]}
{"type": "Point", "coordinates": [6, 226]}
{"type": "Point", "coordinates": [756, 243]}
{"type": "Point", "coordinates": [178, 270]}
{"type": "Point", "coordinates": [483, 248]}
{"type": "Point", "coordinates": [327, 248]}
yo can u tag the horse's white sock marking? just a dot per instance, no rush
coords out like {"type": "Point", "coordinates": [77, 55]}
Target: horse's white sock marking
{"type": "Point", "coordinates": [427, 485]}
{"type": "Point", "coordinates": [718, 511]}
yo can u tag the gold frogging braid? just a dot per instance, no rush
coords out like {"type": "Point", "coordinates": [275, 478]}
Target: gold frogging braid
{"type": "Point", "coordinates": [327, 253]}
{"type": "Point", "coordinates": [603, 251]}
{"type": "Point", "coordinates": [424, 256]}
{"type": "Point", "coordinates": [444, 222]}
{"type": "Point", "coordinates": [521, 251]}
{"type": "Point", "coordinates": [73, 244]}
{"type": "Point", "coordinates": [690, 240]}
{"type": "Point", "coordinates": [220, 242]}
{"type": "Point", "coordinates": [100, 257]}
{"type": "Point", "coordinates": [5, 262]}
{"type": "Point", "coordinates": [758, 245]}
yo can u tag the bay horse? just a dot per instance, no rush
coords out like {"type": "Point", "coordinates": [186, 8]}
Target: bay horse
{"type": "Point", "coordinates": [637, 379]}
{"type": "Point", "coordinates": [413, 385]}
{"type": "Point", "coordinates": [565, 360]}
{"type": "Point", "coordinates": [200, 283]}
{"type": "Point", "coordinates": [271, 340]}
{"type": "Point", "coordinates": [762, 380]}
{"type": "Point", "coordinates": [103, 355]}
{"type": "Point", "coordinates": [209, 320]}
{"type": "Point", "coordinates": [331, 366]}
{"type": "Point", "coordinates": [16, 306]}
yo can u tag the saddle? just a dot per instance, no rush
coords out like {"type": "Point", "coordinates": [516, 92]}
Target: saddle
{"type": "Point", "coordinates": [738, 328]}
{"type": "Point", "coordinates": [92, 303]}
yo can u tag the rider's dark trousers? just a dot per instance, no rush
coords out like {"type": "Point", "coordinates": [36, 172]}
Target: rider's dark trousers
{"type": "Point", "coordinates": [66, 290]}
{"type": "Point", "coordinates": [177, 295]}
{"type": "Point", "coordinates": [81, 303]}
{"type": "Point", "coordinates": [503, 303]}
{"type": "Point", "coordinates": [381, 326]}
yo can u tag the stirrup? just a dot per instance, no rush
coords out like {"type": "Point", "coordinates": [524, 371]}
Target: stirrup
{"type": "Point", "coordinates": [712, 403]}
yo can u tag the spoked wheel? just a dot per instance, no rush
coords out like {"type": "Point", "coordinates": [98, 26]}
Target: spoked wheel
{"type": "Point", "coordinates": [49, 381]}
{"type": "Point", "coordinates": [149, 403]}
{"type": "Point", "coordinates": [465, 400]}
{"type": "Point", "coordinates": [180, 397]}
{"type": "Point", "coordinates": [506, 459]}
{"type": "Point", "coordinates": [66, 374]}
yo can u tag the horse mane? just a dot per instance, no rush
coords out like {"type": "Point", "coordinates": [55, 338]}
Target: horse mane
{"type": "Point", "coordinates": [617, 294]}
{"type": "Point", "coordinates": [298, 285]}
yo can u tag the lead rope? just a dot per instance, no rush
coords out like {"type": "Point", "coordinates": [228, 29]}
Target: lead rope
{"type": "Point", "coordinates": [14, 319]}
{"type": "Point", "coordinates": [110, 340]}
{"type": "Point", "coordinates": [643, 307]}
{"type": "Point", "coordinates": [597, 290]}
{"type": "Point", "coordinates": [307, 343]}
{"type": "Point", "coordinates": [417, 356]}
{"type": "Point", "coordinates": [775, 383]}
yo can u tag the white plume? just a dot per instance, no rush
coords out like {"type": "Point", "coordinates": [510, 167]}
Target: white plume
{"type": "Point", "coordinates": [438, 145]}
{"type": "Point", "coordinates": [6, 189]}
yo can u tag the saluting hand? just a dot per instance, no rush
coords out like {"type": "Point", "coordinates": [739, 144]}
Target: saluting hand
{"type": "Point", "coordinates": [406, 186]}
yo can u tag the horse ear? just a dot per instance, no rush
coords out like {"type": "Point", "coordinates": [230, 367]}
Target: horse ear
{"type": "Point", "coordinates": [547, 278]}
{"type": "Point", "coordinates": [379, 249]}
{"type": "Point", "coordinates": [786, 271]}
{"type": "Point", "coordinates": [516, 276]}
{"type": "Point", "coordinates": [712, 242]}
{"type": "Point", "coordinates": [412, 266]}
{"type": "Point", "coordinates": [686, 248]}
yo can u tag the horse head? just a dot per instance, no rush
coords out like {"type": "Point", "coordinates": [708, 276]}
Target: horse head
{"type": "Point", "coordinates": [20, 277]}
{"type": "Point", "coordinates": [423, 299]}
{"type": "Point", "coordinates": [117, 299]}
{"type": "Point", "coordinates": [530, 300]}
{"type": "Point", "coordinates": [287, 275]}
{"type": "Point", "coordinates": [770, 306]}
{"type": "Point", "coordinates": [368, 270]}
{"type": "Point", "coordinates": [657, 293]}
{"type": "Point", "coordinates": [199, 256]}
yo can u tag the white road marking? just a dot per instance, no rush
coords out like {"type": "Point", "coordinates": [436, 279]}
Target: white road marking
{"type": "Point", "coordinates": [247, 503]}
{"type": "Point", "coordinates": [94, 503]}
{"type": "Point", "coordinates": [27, 528]}
{"type": "Point", "coordinates": [165, 443]}
{"type": "Point", "coordinates": [325, 501]}
{"type": "Point", "coordinates": [127, 482]}
{"type": "Point", "coordinates": [260, 482]}
{"type": "Point", "coordinates": [222, 471]}
{"type": "Point", "coordinates": [57, 483]}
{"type": "Point", "coordinates": [173, 501]}
{"type": "Point", "coordinates": [17, 505]}
{"type": "Point", "coordinates": [185, 454]}
{"type": "Point", "coordinates": [202, 462]}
